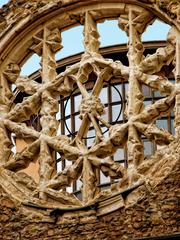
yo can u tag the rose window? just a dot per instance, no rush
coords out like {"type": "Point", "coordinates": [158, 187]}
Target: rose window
{"type": "Point", "coordinates": [73, 155]}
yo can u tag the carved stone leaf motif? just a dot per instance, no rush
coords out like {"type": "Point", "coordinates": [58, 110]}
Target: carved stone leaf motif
{"type": "Point", "coordinates": [43, 102]}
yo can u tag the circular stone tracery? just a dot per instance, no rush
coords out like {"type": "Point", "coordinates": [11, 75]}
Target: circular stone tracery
{"type": "Point", "coordinates": [45, 40]}
{"type": "Point", "coordinates": [73, 95]}
{"type": "Point", "coordinates": [92, 105]}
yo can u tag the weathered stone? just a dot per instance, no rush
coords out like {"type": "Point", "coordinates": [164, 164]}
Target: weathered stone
{"type": "Point", "coordinates": [143, 200]}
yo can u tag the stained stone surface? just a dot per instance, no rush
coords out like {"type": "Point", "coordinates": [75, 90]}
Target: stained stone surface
{"type": "Point", "coordinates": [155, 214]}
{"type": "Point", "coordinates": [143, 199]}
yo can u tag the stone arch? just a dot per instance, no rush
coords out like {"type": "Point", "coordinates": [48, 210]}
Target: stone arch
{"type": "Point", "coordinates": [40, 30]}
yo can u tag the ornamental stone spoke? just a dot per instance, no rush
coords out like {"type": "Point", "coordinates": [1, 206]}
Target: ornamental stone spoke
{"type": "Point", "coordinates": [8, 75]}
{"type": "Point", "coordinates": [153, 63]}
{"type": "Point", "coordinates": [21, 130]}
{"type": "Point", "coordinates": [177, 77]}
{"type": "Point", "coordinates": [152, 132]}
{"type": "Point", "coordinates": [156, 82]}
{"type": "Point", "coordinates": [91, 35]}
{"type": "Point", "coordinates": [135, 99]}
{"type": "Point", "coordinates": [51, 43]}
{"type": "Point", "coordinates": [22, 111]}
{"type": "Point", "coordinates": [22, 159]}
{"type": "Point", "coordinates": [5, 145]}
{"type": "Point", "coordinates": [67, 176]}
{"type": "Point", "coordinates": [160, 108]}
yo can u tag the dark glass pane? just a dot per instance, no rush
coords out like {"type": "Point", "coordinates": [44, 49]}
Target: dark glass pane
{"type": "Point", "coordinates": [147, 148]}
{"type": "Point", "coordinates": [68, 123]}
{"type": "Point", "coordinates": [147, 103]}
{"type": "Point", "coordinates": [77, 101]}
{"type": "Point", "coordinates": [77, 122]}
{"type": "Point", "coordinates": [146, 91]}
{"type": "Point", "coordinates": [119, 155]}
{"type": "Point", "coordinates": [172, 127]}
{"type": "Point", "coordinates": [157, 94]}
{"type": "Point", "coordinates": [116, 109]}
{"type": "Point", "coordinates": [116, 92]}
{"type": "Point", "coordinates": [67, 106]}
{"type": "Point", "coordinates": [162, 123]}
{"type": "Point", "coordinates": [103, 95]}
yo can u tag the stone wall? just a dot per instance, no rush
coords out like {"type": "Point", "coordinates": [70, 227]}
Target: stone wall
{"type": "Point", "coordinates": [157, 213]}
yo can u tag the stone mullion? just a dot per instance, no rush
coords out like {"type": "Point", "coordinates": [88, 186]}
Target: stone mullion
{"type": "Point", "coordinates": [8, 75]}
{"type": "Point", "coordinates": [5, 145]}
{"type": "Point", "coordinates": [91, 45]}
{"type": "Point", "coordinates": [135, 101]}
{"type": "Point", "coordinates": [88, 179]}
{"type": "Point", "coordinates": [91, 35]}
{"type": "Point", "coordinates": [177, 106]}
{"type": "Point", "coordinates": [5, 142]}
{"type": "Point", "coordinates": [48, 112]}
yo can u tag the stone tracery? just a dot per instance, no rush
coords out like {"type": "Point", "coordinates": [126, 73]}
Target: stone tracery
{"type": "Point", "coordinates": [43, 101]}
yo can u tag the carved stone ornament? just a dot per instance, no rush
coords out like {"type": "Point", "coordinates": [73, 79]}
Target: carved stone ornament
{"type": "Point", "coordinates": [35, 27]}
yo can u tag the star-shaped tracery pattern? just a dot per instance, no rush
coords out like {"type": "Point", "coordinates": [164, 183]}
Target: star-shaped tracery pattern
{"type": "Point", "coordinates": [42, 100]}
